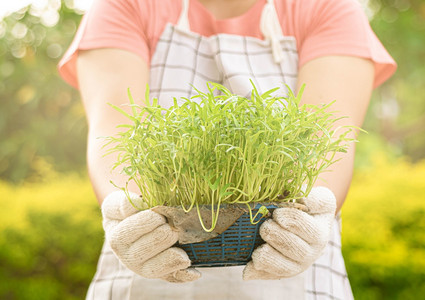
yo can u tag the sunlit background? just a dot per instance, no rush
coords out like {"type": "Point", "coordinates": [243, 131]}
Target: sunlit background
{"type": "Point", "coordinates": [50, 227]}
{"type": "Point", "coordinates": [47, 10]}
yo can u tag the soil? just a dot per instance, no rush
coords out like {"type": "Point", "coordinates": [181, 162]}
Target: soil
{"type": "Point", "coordinates": [190, 229]}
{"type": "Point", "coordinates": [189, 226]}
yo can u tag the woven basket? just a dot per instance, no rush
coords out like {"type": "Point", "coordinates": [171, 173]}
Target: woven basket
{"type": "Point", "coordinates": [231, 248]}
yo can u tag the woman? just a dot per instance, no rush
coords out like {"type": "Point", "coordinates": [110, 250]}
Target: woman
{"type": "Point", "coordinates": [173, 44]}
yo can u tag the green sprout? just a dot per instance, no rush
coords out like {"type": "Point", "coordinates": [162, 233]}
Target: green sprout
{"type": "Point", "coordinates": [226, 149]}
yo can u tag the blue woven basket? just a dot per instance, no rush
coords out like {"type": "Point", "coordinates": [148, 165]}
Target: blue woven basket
{"type": "Point", "coordinates": [231, 248]}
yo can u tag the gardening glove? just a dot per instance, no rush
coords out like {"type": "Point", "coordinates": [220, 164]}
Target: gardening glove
{"type": "Point", "coordinates": [142, 240]}
{"type": "Point", "coordinates": [294, 238]}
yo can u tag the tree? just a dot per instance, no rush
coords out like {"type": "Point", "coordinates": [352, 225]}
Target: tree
{"type": "Point", "coordinates": [41, 118]}
{"type": "Point", "coordinates": [398, 110]}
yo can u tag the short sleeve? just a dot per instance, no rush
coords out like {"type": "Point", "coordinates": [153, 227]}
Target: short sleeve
{"type": "Point", "coordinates": [340, 27]}
{"type": "Point", "coordinates": [107, 24]}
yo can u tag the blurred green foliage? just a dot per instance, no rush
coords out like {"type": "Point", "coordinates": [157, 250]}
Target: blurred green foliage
{"type": "Point", "coordinates": [50, 237]}
{"type": "Point", "coordinates": [397, 111]}
{"type": "Point", "coordinates": [41, 118]}
{"type": "Point", "coordinates": [384, 230]}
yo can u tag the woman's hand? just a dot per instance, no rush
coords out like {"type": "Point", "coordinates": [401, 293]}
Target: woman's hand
{"type": "Point", "coordinates": [294, 239]}
{"type": "Point", "coordinates": [143, 240]}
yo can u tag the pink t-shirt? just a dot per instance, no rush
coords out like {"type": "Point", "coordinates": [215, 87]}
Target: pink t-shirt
{"type": "Point", "coordinates": [321, 28]}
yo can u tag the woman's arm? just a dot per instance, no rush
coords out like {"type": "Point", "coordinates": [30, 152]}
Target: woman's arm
{"type": "Point", "coordinates": [348, 80]}
{"type": "Point", "coordinates": [295, 239]}
{"type": "Point", "coordinates": [104, 75]}
{"type": "Point", "coordinates": [142, 240]}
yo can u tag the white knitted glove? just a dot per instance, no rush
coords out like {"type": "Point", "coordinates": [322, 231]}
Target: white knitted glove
{"type": "Point", "coordinates": [142, 241]}
{"type": "Point", "coordinates": [294, 239]}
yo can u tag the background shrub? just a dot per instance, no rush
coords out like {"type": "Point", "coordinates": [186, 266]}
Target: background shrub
{"type": "Point", "coordinates": [50, 239]}
{"type": "Point", "coordinates": [384, 230]}
{"type": "Point", "coordinates": [51, 235]}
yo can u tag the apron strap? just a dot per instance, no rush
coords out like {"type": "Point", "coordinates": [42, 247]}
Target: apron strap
{"type": "Point", "coordinates": [183, 22]}
{"type": "Point", "coordinates": [270, 28]}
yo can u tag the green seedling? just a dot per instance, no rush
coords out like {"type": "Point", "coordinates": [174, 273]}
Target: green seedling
{"type": "Point", "coordinates": [220, 148]}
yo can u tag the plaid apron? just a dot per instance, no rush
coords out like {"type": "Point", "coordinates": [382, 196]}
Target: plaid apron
{"type": "Point", "coordinates": [182, 59]}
